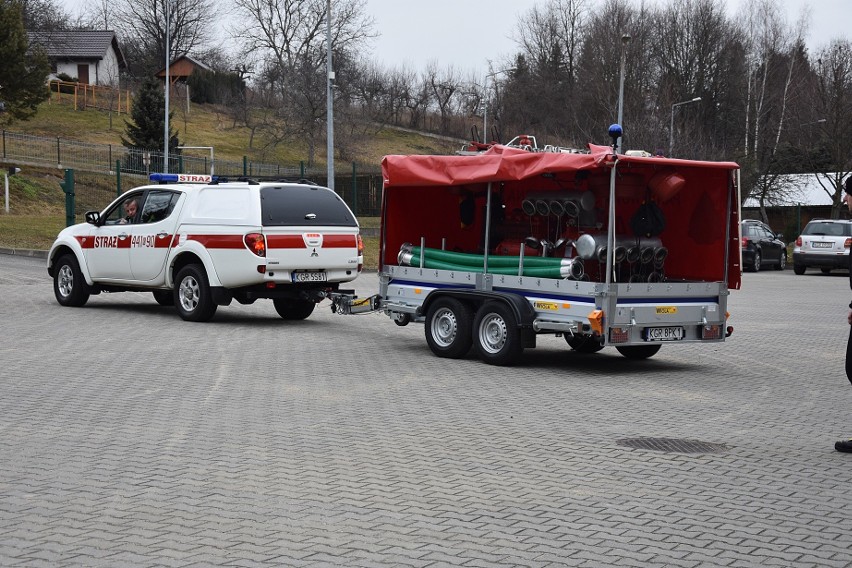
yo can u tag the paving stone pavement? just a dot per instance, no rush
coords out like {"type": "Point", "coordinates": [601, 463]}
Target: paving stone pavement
{"type": "Point", "coordinates": [129, 437]}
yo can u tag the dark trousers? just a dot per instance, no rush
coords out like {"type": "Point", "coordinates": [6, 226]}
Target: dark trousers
{"type": "Point", "coordinates": [849, 356]}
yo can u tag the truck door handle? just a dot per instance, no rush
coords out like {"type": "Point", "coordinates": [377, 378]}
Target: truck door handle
{"type": "Point", "coordinates": [122, 236]}
{"type": "Point", "coordinates": [162, 235]}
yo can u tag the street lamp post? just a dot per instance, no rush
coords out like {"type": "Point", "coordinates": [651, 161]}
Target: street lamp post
{"type": "Point", "coordinates": [330, 100]}
{"type": "Point", "coordinates": [671, 124]}
{"type": "Point", "coordinates": [625, 39]}
{"type": "Point", "coordinates": [201, 148]}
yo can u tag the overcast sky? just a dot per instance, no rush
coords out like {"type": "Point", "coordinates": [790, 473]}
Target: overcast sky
{"type": "Point", "coordinates": [469, 33]}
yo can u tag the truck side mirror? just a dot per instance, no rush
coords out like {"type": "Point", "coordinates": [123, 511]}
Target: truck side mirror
{"type": "Point", "coordinates": [93, 218]}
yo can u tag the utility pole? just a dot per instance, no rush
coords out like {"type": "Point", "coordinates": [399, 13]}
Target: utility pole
{"type": "Point", "coordinates": [330, 104]}
{"type": "Point", "coordinates": [168, 6]}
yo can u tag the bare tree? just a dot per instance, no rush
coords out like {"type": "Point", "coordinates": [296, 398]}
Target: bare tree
{"type": "Point", "coordinates": [549, 38]}
{"type": "Point", "coordinates": [45, 15]}
{"type": "Point", "coordinates": [142, 24]}
{"type": "Point", "coordinates": [289, 36]}
{"type": "Point", "coordinates": [833, 101]}
{"type": "Point", "coordinates": [776, 66]}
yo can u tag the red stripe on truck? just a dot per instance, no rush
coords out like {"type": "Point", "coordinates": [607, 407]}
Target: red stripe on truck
{"type": "Point", "coordinates": [219, 241]}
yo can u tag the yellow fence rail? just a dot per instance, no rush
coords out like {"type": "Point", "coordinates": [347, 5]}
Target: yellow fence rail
{"type": "Point", "coordinates": [84, 96]}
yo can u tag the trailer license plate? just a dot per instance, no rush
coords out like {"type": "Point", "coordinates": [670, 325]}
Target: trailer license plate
{"type": "Point", "coordinates": [310, 277]}
{"type": "Point", "coordinates": [663, 333]}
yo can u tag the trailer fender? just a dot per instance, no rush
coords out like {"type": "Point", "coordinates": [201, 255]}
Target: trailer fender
{"type": "Point", "coordinates": [520, 306]}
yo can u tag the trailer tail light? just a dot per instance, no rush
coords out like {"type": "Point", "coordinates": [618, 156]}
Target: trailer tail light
{"type": "Point", "coordinates": [256, 243]}
{"type": "Point", "coordinates": [619, 335]}
{"type": "Point", "coordinates": [713, 331]}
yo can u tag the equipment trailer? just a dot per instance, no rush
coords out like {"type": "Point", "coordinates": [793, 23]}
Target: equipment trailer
{"type": "Point", "coordinates": [489, 250]}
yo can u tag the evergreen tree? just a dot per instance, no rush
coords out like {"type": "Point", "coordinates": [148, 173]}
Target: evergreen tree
{"type": "Point", "coordinates": [148, 119]}
{"type": "Point", "coordinates": [23, 74]}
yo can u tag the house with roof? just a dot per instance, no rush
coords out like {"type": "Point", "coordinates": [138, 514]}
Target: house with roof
{"type": "Point", "coordinates": [92, 56]}
{"type": "Point", "coordinates": [181, 68]}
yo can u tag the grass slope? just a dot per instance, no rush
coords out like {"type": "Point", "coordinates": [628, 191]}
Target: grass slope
{"type": "Point", "coordinates": [37, 203]}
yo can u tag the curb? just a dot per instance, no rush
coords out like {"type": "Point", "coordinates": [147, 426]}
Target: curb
{"type": "Point", "coordinates": [24, 252]}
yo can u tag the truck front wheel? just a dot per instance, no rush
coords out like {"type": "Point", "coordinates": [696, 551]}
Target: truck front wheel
{"type": "Point", "coordinates": [496, 334]}
{"type": "Point", "coordinates": [448, 328]}
{"type": "Point", "coordinates": [69, 285]}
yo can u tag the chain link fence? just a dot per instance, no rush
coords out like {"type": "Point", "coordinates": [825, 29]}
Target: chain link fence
{"type": "Point", "coordinates": [360, 187]}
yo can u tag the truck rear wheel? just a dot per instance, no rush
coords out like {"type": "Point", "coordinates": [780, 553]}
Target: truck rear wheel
{"type": "Point", "coordinates": [496, 334]}
{"type": "Point", "coordinates": [638, 351]}
{"type": "Point", "coordinates": [192, 296]}
{"type": "Point", "coordinates": [448, 328]}
{"type": "Point", "coordinates": [293, 309]}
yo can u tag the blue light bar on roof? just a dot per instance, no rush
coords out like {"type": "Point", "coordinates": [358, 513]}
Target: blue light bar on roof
{"type": "Point", "coordinates": [181, 178]}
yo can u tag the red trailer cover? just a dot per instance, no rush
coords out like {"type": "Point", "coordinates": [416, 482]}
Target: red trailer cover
{"type": "Point", "coordinates": [442, 199]}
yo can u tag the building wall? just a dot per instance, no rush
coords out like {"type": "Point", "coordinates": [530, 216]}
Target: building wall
{"type": "Point", "coordinates": [103, 72]}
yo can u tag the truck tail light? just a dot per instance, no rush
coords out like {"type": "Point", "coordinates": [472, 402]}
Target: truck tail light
{"type": "Point", "coordinates": [745, 242]}
{"type": "Point", "coordinates": [256, 243]}
{"type": "Point", "coordinates": [847, 243]}
{"type": "Point", "coordinates": [799, 241]}
{"type": "Point", "coordinates": [360, 253]}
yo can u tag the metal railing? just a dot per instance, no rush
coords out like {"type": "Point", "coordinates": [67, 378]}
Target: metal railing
{"type": "Point", "coordinates": [360, 188]}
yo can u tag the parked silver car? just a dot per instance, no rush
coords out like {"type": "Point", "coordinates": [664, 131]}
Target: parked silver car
{"type": "Point", "coordinates": [823, 244]}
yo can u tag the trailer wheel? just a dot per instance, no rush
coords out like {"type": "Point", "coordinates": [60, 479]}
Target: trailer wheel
{"type": "Point", "coordinates": [448, 328]}
{"type": "Point", "coordinates": [497, 336]}
{"type": "Point", "coordinates": [584, 343]}
{"type": "Point", "coordinates": [638, 351]}
{"type": "Point", "coordinates": [401, 319]}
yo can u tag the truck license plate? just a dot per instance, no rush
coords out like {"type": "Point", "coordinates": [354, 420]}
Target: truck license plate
{"type": "Point", "coordinates": [663, 333]}
{"type": "Point", "coordinates": [820, 245]}
{"type": "Point", "coordinates": [310, 277]}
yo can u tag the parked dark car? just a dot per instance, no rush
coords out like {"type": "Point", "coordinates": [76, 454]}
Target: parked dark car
{"type": "Point", "coordinates": [761, 246]}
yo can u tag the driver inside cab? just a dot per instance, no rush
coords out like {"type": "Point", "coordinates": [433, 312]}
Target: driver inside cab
{"type": "Point", "coordinates": [130, 208]}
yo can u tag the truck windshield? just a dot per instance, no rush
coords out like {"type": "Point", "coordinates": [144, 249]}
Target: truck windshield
{"type": "Point", "coordinates": [303, 205]}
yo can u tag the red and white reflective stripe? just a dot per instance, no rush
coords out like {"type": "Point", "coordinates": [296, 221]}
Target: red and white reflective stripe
{"type": "Point", "coordinates": [126, 242]}
{"type": "Point", "coordinates": [210, 241]}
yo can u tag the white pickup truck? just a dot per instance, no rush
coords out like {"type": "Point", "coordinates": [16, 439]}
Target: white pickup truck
{"type": "Point", "coordinates": [492, 249]}
{"type": "Point", "coordinates": [202, 244]}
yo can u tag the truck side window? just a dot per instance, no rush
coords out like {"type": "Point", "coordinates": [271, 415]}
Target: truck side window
{"type": "Point", "coordinates": [158, 206]}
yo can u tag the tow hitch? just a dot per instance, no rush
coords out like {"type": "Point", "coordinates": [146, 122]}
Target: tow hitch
{"type": "Point", "coordinates": [345, 302]}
